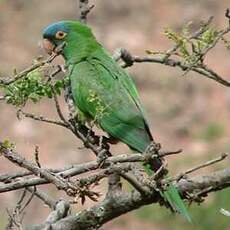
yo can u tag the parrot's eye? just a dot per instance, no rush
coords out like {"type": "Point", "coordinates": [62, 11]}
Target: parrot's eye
{"type": "Point", "coordinates": [60, 35]}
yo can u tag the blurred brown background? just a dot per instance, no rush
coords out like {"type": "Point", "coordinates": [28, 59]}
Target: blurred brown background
{"type": "Point", "coordinates": [188, 112]}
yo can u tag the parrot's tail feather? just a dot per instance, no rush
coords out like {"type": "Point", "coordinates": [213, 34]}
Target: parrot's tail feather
{"type": "Point", "coordinates": [172, 196]}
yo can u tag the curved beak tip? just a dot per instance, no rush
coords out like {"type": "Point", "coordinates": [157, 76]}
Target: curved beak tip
{"type": "Point", "coordinates": [48, 46]}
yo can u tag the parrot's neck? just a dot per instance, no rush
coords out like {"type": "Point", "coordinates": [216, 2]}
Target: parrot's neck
{"type": "Point", "coordinates": [78, 50]}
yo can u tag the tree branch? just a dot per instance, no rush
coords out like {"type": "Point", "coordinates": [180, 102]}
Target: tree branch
{"type": "Point", "coordinates": [203, 70]}
{"type": "Point", "coordinates": [61, 210]}
{"type": "Point", "coordinates": [43, 196]}
{"type": "Point", "coordinates": [84, 10]}
{"type": "Point", "coordinates": [23, 73]}
{"type": "Point", "coordinates": [113, 207]}
{"type": "Point", "coordinates": [203, 165]}
{"type": "Point", "coordinates": [12, 183]}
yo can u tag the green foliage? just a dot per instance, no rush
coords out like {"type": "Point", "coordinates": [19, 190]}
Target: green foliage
{"type": "Point", "coordinates": [191, 48]}
{"type": "Point", "coordinates": [34, 86]}
{"type": "Point", "coordinates": [208, 37]}
{"type": "Point", "coordinates": [180, 40]}
{"type": "Point", "coordinates": [205, 216]}
{"type": "Point", "coordinates": [8, 144]}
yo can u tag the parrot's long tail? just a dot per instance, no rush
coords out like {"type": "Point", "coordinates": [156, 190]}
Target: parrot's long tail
{"type": "Point", "coordinates": [171, 194]}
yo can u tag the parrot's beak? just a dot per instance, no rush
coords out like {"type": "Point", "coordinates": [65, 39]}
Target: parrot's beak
{"type": "Point", "coordinates": [48, 46]}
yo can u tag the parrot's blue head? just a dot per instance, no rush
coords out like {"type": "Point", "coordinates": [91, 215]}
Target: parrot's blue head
{"type": "Point", "coordinates": [54, 35]}
{"type": "Point", "coordinates": [77, 38]}
{"type": "Point", "coordinates": [52, 31]}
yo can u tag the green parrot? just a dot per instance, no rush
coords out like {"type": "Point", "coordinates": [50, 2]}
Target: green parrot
{"type": "Point", "coordinates": [104, 93]}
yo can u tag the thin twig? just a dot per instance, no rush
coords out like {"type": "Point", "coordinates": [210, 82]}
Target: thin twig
{"type": "Point", "coordinates": [203, 70]}
{"type": "Point", "coordinates": [144, 190]}
{"type": "Point", "coordinates": [43, 196]}
{"type": "Point", "coordinates": [36, 156]}
{"type": "Point", "coordinates": [27, 202]}
{"type": "Point", "coordinates": [28, 70]}
{"type": "Point", "coordinates": [196, 34]}
{"type": "Point", "coordinates": [78, 168]}
{"type": "Point", "coordinates": [203, 165]}
{"type": "Point", "coordinates": [66, 172]}
{"type": "Point", "coordinates": [58, 108]}
{"type": "Point", "coordinates": [58, 181]}
{"type": "Point", "coordinates": [84, 10]}
{"type": "Point", "coordinates": [73, 171]}
{"type": "Point", "coordinates": [14, 218]}
{"type": "Point", "coordinates": [36, 65]}
{"type": "Point", "coordinates": [42, 119]}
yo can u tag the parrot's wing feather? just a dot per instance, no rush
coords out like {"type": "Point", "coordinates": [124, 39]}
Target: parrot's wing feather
{"type": "Point", "coordinates": [118, 73]}
{"type": "Point", "coordinates": [103, 91]}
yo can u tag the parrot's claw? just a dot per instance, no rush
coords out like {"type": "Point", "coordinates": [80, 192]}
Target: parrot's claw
{"type": "Point", "coordinates": [101, 158]}
{"type": "Point", "coordinates": [153, 148]}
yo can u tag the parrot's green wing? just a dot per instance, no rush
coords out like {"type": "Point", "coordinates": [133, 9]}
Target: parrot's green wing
{"type": "Point", "coordinates": [104, 92]}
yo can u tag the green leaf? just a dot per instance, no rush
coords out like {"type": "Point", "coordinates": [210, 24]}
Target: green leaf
{"type": "Point", "coordinates": [34, 86]}
{"type": "Point", "coordinates": [7, 144]}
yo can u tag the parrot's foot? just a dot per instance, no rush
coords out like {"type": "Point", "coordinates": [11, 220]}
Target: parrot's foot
{"type": "Point", "coordinates": [104, 153]}
{"type": "Point", "coordinates": [153, 148]}
{"type": "Point", "coordinates": [155, 162]}
{"type": "Point", "coordinates": [101, 158]}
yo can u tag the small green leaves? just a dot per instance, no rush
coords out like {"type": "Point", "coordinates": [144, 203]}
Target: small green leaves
{"type": "Point", "coordinates": [33, 87]}
{"type": "Point", "coordinates": [192, 47]}
{"type": "Point", "coordinates": [208, 37]}
{"type": "Point", "coordinates": [59, 85]}
{"type": "Point", "coordinates": [7, 144]}
{"type": "Point", "coordinates": [180, 40]}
